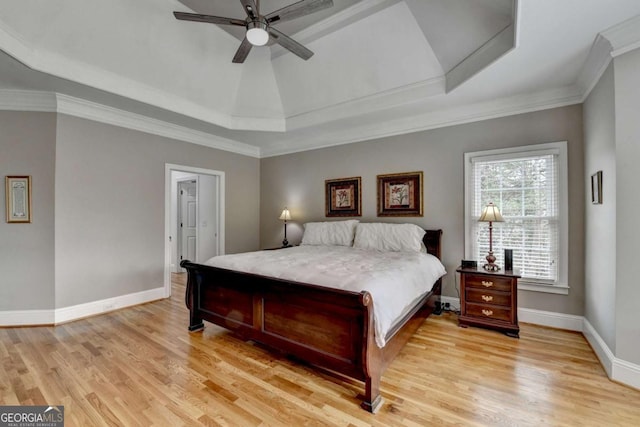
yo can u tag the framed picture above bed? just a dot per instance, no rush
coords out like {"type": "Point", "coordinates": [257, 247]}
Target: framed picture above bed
{"type": "Point", "coordinates": [342, 197]}
{"type": "Point", "coordinates": [400, 194]}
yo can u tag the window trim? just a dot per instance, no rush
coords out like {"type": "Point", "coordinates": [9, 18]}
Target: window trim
{"type": "Point", "coordinates": [560, 147]}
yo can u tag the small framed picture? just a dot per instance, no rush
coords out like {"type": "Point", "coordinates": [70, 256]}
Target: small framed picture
{"type": "Point", "coordinates": [400, 194]}
{"type": "Point", "coordinates": [342, 197]}
{"type": "Point", "coordinates": [596, 188]}
{"type": "Point", "coordinates": [18, 198]}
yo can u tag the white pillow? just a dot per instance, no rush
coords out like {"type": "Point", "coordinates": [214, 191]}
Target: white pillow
{"type": "Point", "coordinates": [389, 237]}
{"type": "Point", "coordinates": [330, 233]}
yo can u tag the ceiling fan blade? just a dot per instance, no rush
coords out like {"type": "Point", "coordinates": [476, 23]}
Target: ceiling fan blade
{"type": "Point", "coordinates": [290, 44]}
{"type": "Point", "coordinates": [251, 8]}
{"type": "Point", "coordinates": [297, 10]}
{"type": "Point", "coordinates": [242, 52]}
{"type": "Point", "coordinates": [183, 16]}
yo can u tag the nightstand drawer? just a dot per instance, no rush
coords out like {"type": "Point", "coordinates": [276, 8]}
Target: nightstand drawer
{"type": "Point", "coordinates": [483, 296]}
{"type": "Point", "coordinates": [489, 312]}
{"type": "Point", "coordinates": [487, 282]}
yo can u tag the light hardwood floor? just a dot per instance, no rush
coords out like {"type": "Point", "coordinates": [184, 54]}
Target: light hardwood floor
{"type": "Point", "coordinates": [140, 366]}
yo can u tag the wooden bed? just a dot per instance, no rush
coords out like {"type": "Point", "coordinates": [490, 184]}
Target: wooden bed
{"type": "Point", "coordinates": [330, 328]}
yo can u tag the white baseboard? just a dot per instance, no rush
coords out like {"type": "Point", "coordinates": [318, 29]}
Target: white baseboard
{"type": "Point", "coordinates": [626, 373]}
{"type": "Point", "coordinates": [600, 348]}
{"type": "Point", "coordinates": [27, 317]}
{"type": "Point", "coordinates": [552, 319]}
{"type": "Point", "coordinates": [79, 311]}
{"type": "Point", "coordinates": [67, 314]}
{"type": "Point", "coordinates": [617, 369]}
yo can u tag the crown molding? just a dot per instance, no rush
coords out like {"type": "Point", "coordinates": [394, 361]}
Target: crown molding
{"type": "Point", "coordinates": [21, 100]}
{"type": "Point", "coordinates": [113, 116]}
{"type": "Point", "coordinates": [480, 111]}
{"type": "Point", "coordinates": [64, 104]}
{"type": "Point", "coordinates": [624, 37]}
{"type": "Point", "coordinates": [595, 65]}
{"type": "Point", "coordinates": [613, 42]}
{"type": "Point", "coordinates": [26, 100]}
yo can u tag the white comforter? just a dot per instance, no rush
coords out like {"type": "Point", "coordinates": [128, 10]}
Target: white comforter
{"type": "Point", "coordinates": [394, 279]}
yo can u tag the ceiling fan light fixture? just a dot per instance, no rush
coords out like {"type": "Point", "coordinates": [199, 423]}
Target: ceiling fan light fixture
{"type": "Point", "coordinates": [259, 29]}
{"type": "Point", "coordinates": [257, 33]}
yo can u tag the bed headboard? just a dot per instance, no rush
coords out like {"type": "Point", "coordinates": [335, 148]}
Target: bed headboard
{"type": "Point", "coordinates": [432, 240]}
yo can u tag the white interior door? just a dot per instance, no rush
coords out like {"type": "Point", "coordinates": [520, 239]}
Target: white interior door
{"type": "Point", "coordinates": [187, 220]}
{"type": "Point", "coordinates": [173, 174]}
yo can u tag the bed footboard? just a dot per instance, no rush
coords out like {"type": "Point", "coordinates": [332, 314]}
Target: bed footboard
{"type": "Point", "coordinates": [330, 328]}
{"type": "Point", "coordinates": [325, 327]}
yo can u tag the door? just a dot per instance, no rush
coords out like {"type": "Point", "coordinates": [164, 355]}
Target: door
{"type": "Point", "coordinates": [187, 220]}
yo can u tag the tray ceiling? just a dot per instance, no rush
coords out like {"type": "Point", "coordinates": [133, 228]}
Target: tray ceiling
{"type": "Point", "coordinates": [381, 67]}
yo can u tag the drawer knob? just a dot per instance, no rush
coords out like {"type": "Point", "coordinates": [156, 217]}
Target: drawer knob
{"type": "Point", "coordinates": [487, 298]}
{"type": "Point", "coordinates": [487, 312]}
{"type": "Point", "coordinates": [487, 284]}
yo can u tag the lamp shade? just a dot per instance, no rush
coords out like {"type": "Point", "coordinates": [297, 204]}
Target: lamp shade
{"type": "Point", "coordinates": [285, 215]}
{"type": "Point", "coordinates": [490, 213]}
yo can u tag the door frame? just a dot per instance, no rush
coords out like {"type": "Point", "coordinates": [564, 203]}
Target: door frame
{"type": "Point", "coordinates": [168, 169]}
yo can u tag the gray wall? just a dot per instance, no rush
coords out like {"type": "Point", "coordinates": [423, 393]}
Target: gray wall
{"type": "Point", "coordinates": [600, 220]}
{"type": "Point", "coordinates": [27, 147]}
{"type": "Point", "coordinates": [98, 208]}
{"type": "Point", "coordinates": [110, 187]}
{"type": "Point", "coordinates": [627, 109]}
{"type": "Point", "coordinates": [612, 132]}
{"type": "Point", "coordinates": [297, 181]}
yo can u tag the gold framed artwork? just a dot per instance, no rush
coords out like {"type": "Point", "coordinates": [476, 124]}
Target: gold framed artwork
{"type": "Point", "coordinates": [596, 188]}
{"type": "Point", "coordinates": [400, 194]}
{"type": "Point", "coordinates": [18, 198]}
{"type": "Point", "coordinates": [342, 197]}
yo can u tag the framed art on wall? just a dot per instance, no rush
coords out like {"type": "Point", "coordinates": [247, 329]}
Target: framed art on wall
{"type": "Point", "coordinates": [18, 198]}
{"type": "Point", "coordinates": [342, 197]}
{"type": "Point", "coordinates": [400, 194]}
{"type": "Point", "coordinates": [596, 188]}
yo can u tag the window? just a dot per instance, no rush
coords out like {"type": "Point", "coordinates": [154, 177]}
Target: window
{"type": "Point", "coordinates": [529, 186]}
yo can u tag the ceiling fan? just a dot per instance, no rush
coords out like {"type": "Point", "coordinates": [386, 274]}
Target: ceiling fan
{"type": "Point", "coordinates": [259, 28]}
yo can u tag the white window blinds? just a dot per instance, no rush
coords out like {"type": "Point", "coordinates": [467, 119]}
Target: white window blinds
{"type": "Point", "coordinates": [525, 187]}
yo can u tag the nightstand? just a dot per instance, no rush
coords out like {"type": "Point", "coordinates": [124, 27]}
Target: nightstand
{"type": "Point", "coordinates": [489, 299]}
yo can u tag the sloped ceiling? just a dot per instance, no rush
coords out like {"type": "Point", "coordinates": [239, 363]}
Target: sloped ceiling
{"type": "Point", "coordinates": [381, 67]}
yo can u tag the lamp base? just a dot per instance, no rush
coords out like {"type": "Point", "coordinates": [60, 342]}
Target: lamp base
{"type": "Point", "coordinates": [285, 243]}
{"type": "Point", "coordinates": [491, 267]}
{"type": "Point", "coordinates": [491, 263]}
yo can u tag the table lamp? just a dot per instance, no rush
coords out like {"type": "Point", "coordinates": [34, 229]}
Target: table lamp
{"type": "Point", "coordinates": [491, 214]}
{"type": "Point", "coordinates": [285, 216]}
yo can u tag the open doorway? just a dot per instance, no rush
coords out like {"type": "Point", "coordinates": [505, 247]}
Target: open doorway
{"type": "Point", "coordinates": [194, 217]}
